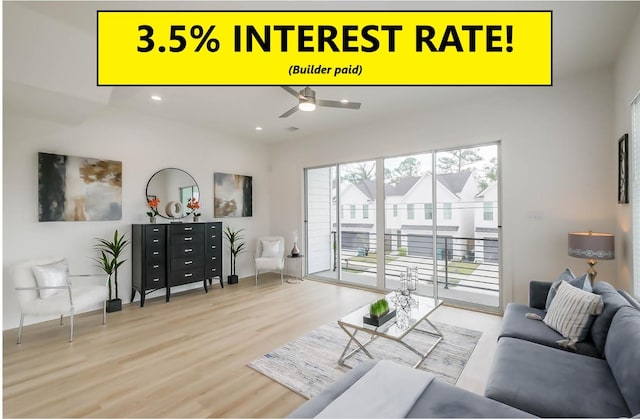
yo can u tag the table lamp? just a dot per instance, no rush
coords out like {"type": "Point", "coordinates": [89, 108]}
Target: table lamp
{"type": "Point", "coordinates": [592, 246]}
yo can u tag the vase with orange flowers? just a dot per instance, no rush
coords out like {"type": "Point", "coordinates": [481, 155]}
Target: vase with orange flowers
{"type": "Point", "coordinates": [153, 209]}
{"type": "Point", "coordinates": [194, 206]}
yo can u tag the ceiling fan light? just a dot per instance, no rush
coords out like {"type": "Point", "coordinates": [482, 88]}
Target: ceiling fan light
{"type": "Point", "coordinates": [307, 106]}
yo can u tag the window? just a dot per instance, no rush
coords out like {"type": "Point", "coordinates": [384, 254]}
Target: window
{"type": "Point", "coordinates": [395, 210]}
{"type": "Point", "coordinates": [428, 211]}
{"type": "Point", "coordinates": [365, 211]}
{"type": "Point", "coordinates": [446, 214]}
{"type": "Point", "coordinates": [411, 211]}
{"type": "Point", "coordinates": [488, 211]}
{"type": "Point", "coordinates": [352, 211]}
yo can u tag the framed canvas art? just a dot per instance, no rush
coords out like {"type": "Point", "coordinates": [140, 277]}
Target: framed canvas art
{"type": "Point", "coordinates": [74, 188]}
{"type": "Point", "coordinates": [623, 169]}
{"type": "Point", "coordinates": [232, 195]}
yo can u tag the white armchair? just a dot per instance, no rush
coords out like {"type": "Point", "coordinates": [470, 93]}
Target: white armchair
{"type": "Point", "coordinates": [269, 255]}
{"type": "Point", "coordinates": [44, 288]}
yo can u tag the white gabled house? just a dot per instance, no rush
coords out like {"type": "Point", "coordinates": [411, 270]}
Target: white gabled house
{"type": "Point", "coordinates": [409, 215]}
{"type": "Point", "coordinates": [486, 224]}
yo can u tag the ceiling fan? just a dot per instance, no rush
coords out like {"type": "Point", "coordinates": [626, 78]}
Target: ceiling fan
{"type": "Point", "coordinates": [308, 102]}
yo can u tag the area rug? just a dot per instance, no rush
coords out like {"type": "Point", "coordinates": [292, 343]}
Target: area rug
{"type": "Point", "coordinates": [308, 364]}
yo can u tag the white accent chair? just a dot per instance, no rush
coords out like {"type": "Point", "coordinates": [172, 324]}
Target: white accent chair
{"type": "Point", "coordinates": [269, 255]}
{"type": "Point", "coordinates": [67, 298]}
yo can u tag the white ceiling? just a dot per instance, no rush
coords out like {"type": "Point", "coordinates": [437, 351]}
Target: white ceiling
{"type": "Point", "coordinates": [586, 35]}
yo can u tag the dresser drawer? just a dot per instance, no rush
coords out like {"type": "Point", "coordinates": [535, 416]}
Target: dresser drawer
{"type": "Point", "coordinates": [186, 276]}
{"type": "Point", "coordinates": [187, 248]}
{"type": "Point", "coordinates": [212, 271]}
{"type": "Point", "coordinates": [186, 262]}
{"type": "Point", "coordinates": [155, 254]}
{"type": "Point", "coordinates": [186, 229]}
{"type": "Point", "coordinates": [155, 280]}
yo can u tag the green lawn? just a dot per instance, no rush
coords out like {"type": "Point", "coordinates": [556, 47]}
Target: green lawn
{"type": "Point", "coordinates": [464, 268]}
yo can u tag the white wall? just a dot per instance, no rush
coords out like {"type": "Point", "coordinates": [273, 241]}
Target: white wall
{"type": "Point", "coordinates": [558, 169]}
{"type": "Point", "coordinates": [627, 86]}
{"type": "Point", "coordinates": [144, 145]}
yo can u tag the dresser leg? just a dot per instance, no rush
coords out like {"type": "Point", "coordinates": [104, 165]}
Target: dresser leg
{"type": "Point", "coordinates": [168, 294]}
{"type": "Point", "coordinates": [221, 282]}
{"type": "Point", "coordinates": [133, 295]}
{"type": "Point", "coordinates": [142, 295]}
{"type": "Point", "coordinates": [204, 282]}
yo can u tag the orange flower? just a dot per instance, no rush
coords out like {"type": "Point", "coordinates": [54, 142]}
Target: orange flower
{"type": "Point", "coordinates": [153, 204]}
{"type": "Point", "coordinates": [194, 205]}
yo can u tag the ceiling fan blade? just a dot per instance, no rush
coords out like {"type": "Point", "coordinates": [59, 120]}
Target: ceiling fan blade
{"type": "Point", "coordinates": [338, 104]}
{"type": "Point", "coordinates": [289, 112]}
{"type": "Point", "coordinates": [292, 92]}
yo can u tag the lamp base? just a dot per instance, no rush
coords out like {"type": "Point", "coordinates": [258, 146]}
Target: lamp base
{"type": "Point", "coordinates": [591, 271]}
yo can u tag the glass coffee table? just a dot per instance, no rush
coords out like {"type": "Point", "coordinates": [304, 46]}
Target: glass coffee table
{"type": "Point", "coordinates": [404, 322]}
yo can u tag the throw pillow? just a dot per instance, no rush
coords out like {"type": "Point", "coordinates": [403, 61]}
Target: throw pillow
{"type": "Point", "coordinates": [270, 248]}
{"type": "Point", "coordinates": [51, 275]}
{"type": "Point", "coordinates": [570, 313]}
{"type": "Point", "coordinates": [581, 282]}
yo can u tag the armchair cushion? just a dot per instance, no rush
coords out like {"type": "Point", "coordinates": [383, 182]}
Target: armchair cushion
{"type": "Point", "coordinates": [270, 248]}
{"type": "Point", "coordinates": [51, 275]}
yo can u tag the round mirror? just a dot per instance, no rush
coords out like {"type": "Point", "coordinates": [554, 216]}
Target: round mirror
{"type": "Point", "coordinates": [173, 188]}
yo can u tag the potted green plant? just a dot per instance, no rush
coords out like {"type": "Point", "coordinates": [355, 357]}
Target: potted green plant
{"type": "Point", "coordinates": [236, 246]}
{"type": "Point", "coordinates": [378, 313]}
{"type": "Point", "coordinates": [109, 261]}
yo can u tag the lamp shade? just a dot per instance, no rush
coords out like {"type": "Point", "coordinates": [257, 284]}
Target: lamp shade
{"type": "Point", "coordinates": [590, 245]}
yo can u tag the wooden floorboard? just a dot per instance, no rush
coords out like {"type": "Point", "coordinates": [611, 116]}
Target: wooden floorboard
{"type": "Point", "coordinates": [188, 358]}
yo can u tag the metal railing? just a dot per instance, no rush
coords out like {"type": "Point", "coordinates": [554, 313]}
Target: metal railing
{"type": "Point", "coordinates": [460, 261]}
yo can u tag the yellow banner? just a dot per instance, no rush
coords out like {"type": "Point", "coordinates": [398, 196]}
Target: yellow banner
{"type": "Point", "coordinates": [324, 48]}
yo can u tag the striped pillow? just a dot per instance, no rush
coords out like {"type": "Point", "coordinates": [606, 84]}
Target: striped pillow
{"type": "Point", "coordinates": [570, 313]}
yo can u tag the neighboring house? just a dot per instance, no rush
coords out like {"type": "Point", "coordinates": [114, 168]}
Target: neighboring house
{"type": "Point", "coordinates": [409, 216]}
{"type": "Point", "coordinates": [486, 224]}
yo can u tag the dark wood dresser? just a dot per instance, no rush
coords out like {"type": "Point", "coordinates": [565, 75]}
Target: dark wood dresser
{"type": "Point", "coordinates": [168, 255]}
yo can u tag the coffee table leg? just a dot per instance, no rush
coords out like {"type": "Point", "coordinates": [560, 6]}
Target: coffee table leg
{"type": "Point", "coordinates": [424, 356]}
{"type": "Point", "coordinates": [352, 338]}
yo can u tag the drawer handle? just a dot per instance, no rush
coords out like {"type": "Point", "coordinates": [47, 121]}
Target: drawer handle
{"type": "Point", "coordinates": [188, 262]}
{"type": "Point", "coordinates": [213, 227]}
{"type": "Point", "coordinates": [188, 228]}
{"type": "Point", "coordinates": [213, 269]}
{"type": "Point", "coordinates": [156, 279]}
{"type": "Point", "coordinates": [156, 240]}
{"type": "Point", "coordinates": [156, 266]}
{"type": "Point", "coordinates": [155, 230]}
{"type": "Point", "coordinates": [156, 253]}
{"type": "Point", "coordinates": [188, 275]}
{"type": "Point", "coordinates": [188, 250]}
{"type": "Point", "coordinates": [188, 239]}
{"type": "Point", "coordinates": [214, 258]}
{"type": "Point", "coordinates": [214, 236]}
{"type": "Point", "coordinates": [213, 247]}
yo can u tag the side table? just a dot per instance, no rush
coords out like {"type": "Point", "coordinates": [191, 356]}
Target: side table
{"type": "Point", "coordinates": [299, 278]}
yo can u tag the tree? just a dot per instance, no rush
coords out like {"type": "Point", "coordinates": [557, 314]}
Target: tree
{"type": "Point", "coordinates": [457, 160]}
{"type": "Point", "coordinates": [488, 175]}
{"type": "Point", "coordinates": [356, 173]}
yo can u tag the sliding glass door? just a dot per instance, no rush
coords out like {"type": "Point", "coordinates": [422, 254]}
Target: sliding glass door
{"type": "Point", "coordinates": [438, 214]}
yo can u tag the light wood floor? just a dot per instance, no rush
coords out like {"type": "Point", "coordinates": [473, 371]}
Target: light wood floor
{"type": "Point", "coordinates": [188, 358]}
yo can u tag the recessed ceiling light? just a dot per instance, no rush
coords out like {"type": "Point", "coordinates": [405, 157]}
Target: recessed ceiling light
{"type": "Point", "coordinates": [344, 101]}
{"type": "Point", "coordinates": [258, 128]}
{"type": "Point", "coordinates": [156, 98]}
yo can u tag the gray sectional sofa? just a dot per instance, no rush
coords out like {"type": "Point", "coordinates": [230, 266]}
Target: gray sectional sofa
{"type": "Point", "coordinates": [601, 378]}
{"type": "Point", "coordinates": [533, 375]}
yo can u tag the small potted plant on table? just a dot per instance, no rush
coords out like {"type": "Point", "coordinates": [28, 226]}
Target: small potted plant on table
{"type": "Point", "coordinates": [379, 313]}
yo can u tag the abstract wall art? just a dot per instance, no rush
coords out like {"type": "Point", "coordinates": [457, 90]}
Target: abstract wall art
{"type": "Point", "coordinates": [232, 195]}
{"type": "Point", "coordinates": [74, 188]}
